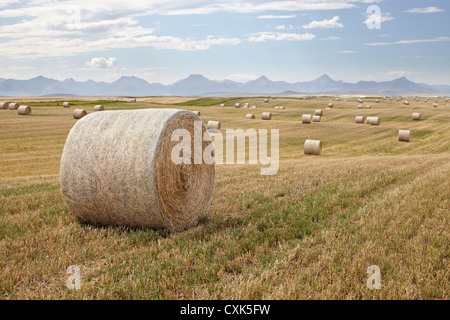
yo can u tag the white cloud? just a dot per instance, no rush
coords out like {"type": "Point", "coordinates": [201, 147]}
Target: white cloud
{"type": "Point", "coordinates": [285, 27]}
{"type": "Point", "coordinates": [277, 17]}
{"type": "Point", "coordinates": [101, 63]}
{"type": "Point", "coordinates": [347, 51]}
{"type": "Point", "coordinates": [439, 39]}
{"type": "Point", "coordinates": [331, 38]}
{"type": "Point", "coordinates": [326, 24]}
{"type": "Point", "coordinates": [391, 75]}
{"type": "Point", "coordinates": [278, 36]}
{"type": "Point", "coordinates": [385, 17]}
{"type": "Point", "coordinates": [426, 10]}
{"type": "Point", "coordinates": [6, 3]}
{"type": "Point", "coordinates": [241, 77]}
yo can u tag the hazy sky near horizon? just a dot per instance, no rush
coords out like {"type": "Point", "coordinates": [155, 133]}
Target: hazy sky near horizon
{"type": "Point", "coordinates": [166, 40]}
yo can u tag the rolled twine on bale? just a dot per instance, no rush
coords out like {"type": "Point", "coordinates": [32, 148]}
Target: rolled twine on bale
{"type": "Point", "coordinates": [250, 116]}
{"type": "Point", "coordinates": [404, 135]}
{"type": "Point", "coordinates": [306, 118]}
{"type": "Point", "coordinates": [374, 121]}
{"type": "Point", "coordinates": [79, 113]}
{"type": "Point", "coordinates": [316, 118]}
{"type": "Point", "coordinates": [66, 104]}
{"type": "Point", "coordinates": [416, 116]}
{"type": "Point", "coordinates": [117, 169]}
{"type": "Point", "coordinates": [13, 106]}
{"type": "Point", "coordinates": [318, 112]}
{"type": "Point", "coordinates": [313, 147]}
{"type": "Point", "coordinates": [213, 125]}
{"type": "Point", "coordinates": [3, 105]}
{"type": "Point", "coordinates": [24, 110]}
{"type": "Point", "coordinates": [266, 116]}
{"type": "Point", "coordinates": [359, 119]}
{"type": "Point", "coordinates": [99, 108]}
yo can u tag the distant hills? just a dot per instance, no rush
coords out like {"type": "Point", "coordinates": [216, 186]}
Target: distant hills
{"type": "Point", "coordinates": [198, 85]}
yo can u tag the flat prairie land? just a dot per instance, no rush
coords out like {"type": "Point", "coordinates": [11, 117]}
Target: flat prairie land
{"type": "Point", "coordinates": [308, 232]}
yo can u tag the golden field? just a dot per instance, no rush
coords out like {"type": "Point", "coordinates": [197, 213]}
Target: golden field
{"type": "Point", "coordinates": [309, 232]}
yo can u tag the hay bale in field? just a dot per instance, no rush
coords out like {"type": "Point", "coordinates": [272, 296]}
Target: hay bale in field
{"type": "Point", "coordinates": [253, 107]}
{"type": "Point", "coordinates": [4, 105]}
{"type": "Point", "coordinates": [133, 100]}
{"type": "Point", "coordinates": [24, 110]}
{"type": "Point", "coordinates": [316, 118]}
{"type": "Point", "coordinates": [237, 105]}
{"type": "Point", "coordinates": [328, 108]}
{"type": "Point", "coordinates": [360, 106]}
{"type": "Point", "coordinates": [416, 116]}
{"type": "Point", "coordinates": [306, 118]}
{"type": "Point", "coordinates": [330, 105]}
{"type": "Point", "coordinates": [404, 135]}
{"type": "Point", "coordinates": [266, 116]}
{"type": "Point", "coordinates": [280, 108]}
{"type": "Point", "coordinates": [66, 105]}
{"type": "Point", "coordinates": [13, 106]}
{"type": "Point", "coordinates": [117, 168]}
{"type": "Point", "coordinates": [374, 121]}
{"type": "Point", "coordinates": [213, 125]}
{"type": "Point", "coordinates": [360, 101]}
{"type": "Point", "coordinates": [435, 105]}
{"type": "Point", "coordinates": [246, 105]}
{"type": "Point", "coordinates": [313, 147]}
{"type": "Point", "coordinates": [222, 105]}
{"type": "Point", "coordinates": [338, 99]}
{"type": "Point", "coordinates": [368, 107]}
{"type": "Point", "coordinates": [406, 102]}
{"type": "Point", "coordinates": [318, 112]}
{"type": "Point", "coordinates": [250, 116]}
{"type": "Point", "coordinates": [79, 113]}
{"type": "Point", "coordinates": [197, 113]}
{"type": "Point", "coordinates": [266, 100]}
{"type": "Point", "coordinates": [99, 108]}
{"type": "Point", "coordinates": [359, 119]}
{"type": "Point", "coordinates": [377, 101]}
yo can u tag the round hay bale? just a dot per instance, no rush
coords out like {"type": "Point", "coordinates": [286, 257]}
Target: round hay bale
{"type": "Point", "coordinates": [13, 106]}
{"type": "Point", "coordinates": [306, 118]}
{"type": "Point", "coordinates": [117, 169]}
{"type": "Point", "coordinates": [133, 100]}
{"type": "Point", "coordinates": [330, 105]}
{"type": "Point", "coordinates": [360, 101]}
{"type": "Point", "coordinates": [237, 105]}
{"type": "Point", "coordinates": [4, 105]}
{"type": "Point", "coordinates": [79, 113]}
{"type": "Point", "coordinates": [197, 113]}
{"type": "Point", "coordinates": [266, 116]}
{"type": "Point", "coordinates": [213, 125]}
{"type": "Point", "coordinates": [404, 135]}
{"type": "Point", "coordinates": [222, 105]}
{"type": "Point", "coordinates": [435, 105]}
{"type": "Point", "coordinates": [253, 107]}
{"type": "Point", "coordinates": [374, 121]}
{"type": "Point", "coordinates": [316, 118]}
{"type": "Point", "coordinates": [246, 106]}
{"type": "Point", "coordinates": [318, 112]}
{"type": "Point", "coordinates": [250, 116]}
{"type": "Point", "coordinates": [266, 100]}
{"type": "Point", "coordinates": [99, 108]}
{"type": "Point", "coordinates": [406, 102]}
{"type": "Point", "coordinates": [24, 110]}
{"type": "Point", "coordinates": [368, 107]}
{"type": "Point", "coordinates": [66, 104]}
{"type": "Point", "coordinates": [360, 106]}
{"type": "Point", "coordinates": [328, 108]}
{"type": "Point", "coordinates": [377, 100]}
{"type": "Point", "coordinates": [416, 116]}
{"type": "Point", "coordinates": [338, 99]}
{"type": "Point", "coordinates": [313, 147]}
{"type": "Point", "coordinates": [359, 119]}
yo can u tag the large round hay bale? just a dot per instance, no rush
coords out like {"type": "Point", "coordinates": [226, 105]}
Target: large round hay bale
{"type": "Point", "coordinates": [133, 100]}
{"type": "Point", "coordinates": [330, 105]}
{"type": "Point", "coordinates": [338, 99]}
{"type": "Point", "coordinates": [306, 118]}
{"type": "Point", "coordinates": [416, 116]}
{"type": "Point", "coordinates": [237, 105]}
{"type": "Point", "coordinates": [79, 113]}
{"type": "Point", "coordinates": [250, 116]}
{"type": "Point", "coordinates": [266, 100]}
{"type": "Point", "coordinates": [377, 101]}
{"type": "Point", "coordinates": [313, 147]}
{"type": "Point", "coordinates": [316, 118]}
{"type": "Point", "coordinates": [213, 125]}
{"type": "Point", "coordinates": [24, 110]}
{"type": "Point", "coordinates": [360, 106]}
{"type": "Point", "coordinates": [4, 105]}
{"type": "Point", "coordinates": [197, 113]}
{"type": "Point", "coordinates": [222, 105]}
{"type": "Point", "coordinates": [374, 121]}
{"type": "Point", "coordinates": [406, 102]}
{"type": "Point", "coordinates": [368, 107]}
{"type": "Point", "coordinates": [254, 107]}
{"type": "Point", "coordinates": [266, 116]}
{"type": "Point", "coordinates": [99, 108]}
{"type": "Point", "coordinates": [359, 119]}
{"type": "Point", "coordinates": [66, 104]}
{"type": "Point", "coordinates": [13, 106]}
{"type": "Point", "coordinates": [117, 168]}
{"type": "Point", "coordinates": [246, 105]}
{"type": "Point", "coordinates": [435, 105]}
{"type": "Point", "coordinates": [404, 135]}
{"type": "Point", "coordinates": [318, 112]}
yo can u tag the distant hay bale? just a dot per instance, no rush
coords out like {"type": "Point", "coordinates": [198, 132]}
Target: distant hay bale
{"type": "Point", "coordinates": [416, 116]}
{"type": "Point", "coordinates": [196, 113]}
{"type": "Point", "coordinates": [66, 104]}
{"type": "Point", "coordinates": [79, 113]}
{"type": "Point", "coordinates": [330, 105]}
{"type": "Point", "coordinates": [359, 119]}
{"type": "Point", "coordinates": [368, 107]}
{"type": "Point", "coordinates": [338, 99]}
{"type": "Point", "coordinates": [435, 105]}
{"type": "Point", "coordinates": [266, 116]}
{"type": "Point", "coordinates": [374, 121]}
{"type": "Point", "coordinates": [404, 135]}
{"type": "Point", "coordinates": [24, 110]}
{"type": "Point", "coordinates": [250, 116]}
{"type": "Point", "coordinates": [425, 101]}
{"type": "Point", "coordinates": [222, 105]}
{"type": "Point", "coordinates": [117, 168]}
{"type": "Point", "coordinates": [4, 105]}
{"type": "Point", "coordinates": [406, 102]}
{"type": "Point", "coordinates": [274, 97]}
{"type": "Point", "coordinates": [266, 100]}
{"type": "Point", "coordinates": [313, 147]}
{"type": "Point", "coordinates": [360, 101]}
{"type": "Point", "coordinates": [133, 100]}
{"type": "Point", "coordinates": [13, 106]}
{"type": "Point", "coordinates": [280, 108]}
{"type": "Point", "coordinates": [213, 125]}
{"type": "Point", "coordinates": [237, 105]}
{"type": "Point", "coordinates": [99, 108]}
{"type": "Point", "coordinates": [377, 101]}
{"type": "Point", "coordinates": [246, 106]}
{"type": "Point", "coordinates": [254, 107]}
{"type": "Point", "coordinates": [318, 112]}
{"type": "Point", "coordinates": [316, 118]}
{"type": "Point", "coordinates": [306, 118]}
{"type": "Point", "coordinates": [328, 108]}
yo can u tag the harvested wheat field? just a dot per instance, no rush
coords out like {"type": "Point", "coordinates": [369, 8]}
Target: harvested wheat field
{"type": "Point", "coordinates": [308, 232]}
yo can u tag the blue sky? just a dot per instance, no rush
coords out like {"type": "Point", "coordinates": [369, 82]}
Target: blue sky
{"type": "Point", "coordinates": [166, 40]}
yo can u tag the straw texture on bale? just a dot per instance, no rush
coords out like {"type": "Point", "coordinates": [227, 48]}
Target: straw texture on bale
{"type": "Point", "coordinates": [359, 119]}
{"type": "Point", "coordinates": [404, 135]}
{"type": "Point", "coordinates": [66, 104]}
{"type": "Point", "coordinates": [416, 116]}
{"type": "Point", "coordinates": [374, 121]}
{"type": "Point", "coordinates": [24, 110]}
{"type": "Point", "coordinates": [213, 125]}
{"type": "Point", "coordinates": [3, 105]}
{"type": "Point", "coordinates": [266, 116]}
{"type": "Point", "coordinates": [316, 118]}
{"type": "Point", "coordinates": [250, 116]}
{"type": "Point", "coordinates": [79, 113]}
{"type": "Point", "coordinates": [313, 147]}
{"type": "Point", "coordinates": [237, 105]}
{"type": "Point", "coordinates": [117, 169]}
{"type": "Point", "coordinates": [99, 108]}
{"type": "Point", "coordinates": [318, 112]}
{"type": "Point", "coordinates": [306, 118]}
{"type": "Point", "coordinates": [13, 106]}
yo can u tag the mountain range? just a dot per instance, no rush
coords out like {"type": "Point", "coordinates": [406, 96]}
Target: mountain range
{"type": "Point", "coordinates": [198, 85]}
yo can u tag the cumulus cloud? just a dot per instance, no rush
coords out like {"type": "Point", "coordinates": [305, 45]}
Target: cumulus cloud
{"type": "Point", "coordinates": [325, 24]}
{"type": "Point", "coordinates": [426, 10]}
{"type": "Point", "coordinates": [279, 36]}
{"type": "Point", "coordinates": [101, 63]}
